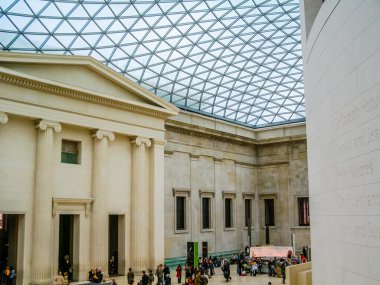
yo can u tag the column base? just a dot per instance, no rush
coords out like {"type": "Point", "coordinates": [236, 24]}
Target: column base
{"type": "Point", "coordinates": [44, 282]}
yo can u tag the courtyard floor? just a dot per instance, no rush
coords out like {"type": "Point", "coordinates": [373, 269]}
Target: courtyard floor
{"type": "Point", "coordinates": [218, 279]}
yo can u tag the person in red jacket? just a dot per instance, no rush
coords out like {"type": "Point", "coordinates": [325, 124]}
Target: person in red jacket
{"type": "Point", "coordinates": [179, 272]}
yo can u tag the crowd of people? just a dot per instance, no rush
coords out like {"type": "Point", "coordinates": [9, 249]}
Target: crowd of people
{"type": "Point", "coordinates": [194, 275]}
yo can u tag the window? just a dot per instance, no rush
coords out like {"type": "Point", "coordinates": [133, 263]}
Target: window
{"type": "Point", "coordinates": [228, 213]}
{"type": "Point", "coordinates": [180, 213]}
{"type": "Point", "coordinates": [248, 212]}
{"type": "Point", "coordinates": [269, 212]}
{"type": "Point", "coordinates": [206, 213]}
{"type": "Point", "coordinates": [303, 211]}
{"type": "Point", "coordinates": [70, 152]}
{"type": "Point", "coordinates": [181, 210]}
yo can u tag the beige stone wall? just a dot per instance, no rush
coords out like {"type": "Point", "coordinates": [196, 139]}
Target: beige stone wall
{"type": "Point", "coordinates": [342, 88]}
{"type": "Point", "coordinates": [204, 154]}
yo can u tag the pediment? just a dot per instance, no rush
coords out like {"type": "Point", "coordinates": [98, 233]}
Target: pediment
{"type": "Point", "coordinates": [83, 74]}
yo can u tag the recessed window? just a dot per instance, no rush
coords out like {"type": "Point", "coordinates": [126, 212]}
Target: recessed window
{"type": "Point", "coordinates": [70, 152]}
{"type": "Point", "coordinates": [206, 213]}
{"type": "Point", "coordinates": [247, 212]}
{"type": "Point", "coordinates": [180, 213]}
{"type": "Point", "coordinates": [269, 212]}
{"type": "Point", "coordinates": [228, 213]}
{"type": "Point", "coordinates": [303, 211]}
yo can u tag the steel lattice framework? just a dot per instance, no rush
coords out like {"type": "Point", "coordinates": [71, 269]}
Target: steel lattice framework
{"type": "Point", "coordinates": [236, 60]}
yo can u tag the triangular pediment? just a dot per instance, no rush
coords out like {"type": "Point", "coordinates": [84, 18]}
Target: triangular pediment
{"type": "Point", "coordinates": [83, 74]}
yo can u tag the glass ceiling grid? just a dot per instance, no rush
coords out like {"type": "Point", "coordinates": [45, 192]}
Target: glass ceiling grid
{"type": "Point", "coordinates": [235, 60]}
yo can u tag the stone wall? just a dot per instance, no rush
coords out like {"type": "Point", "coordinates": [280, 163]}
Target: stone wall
{"type": "Point", "coordinates": [204, 155]}
{"type": "Point", "coordinates": [342, 87]}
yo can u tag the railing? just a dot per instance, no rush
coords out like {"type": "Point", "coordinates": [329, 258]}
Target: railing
{"type": "Point", "coordinates": [174, 261]}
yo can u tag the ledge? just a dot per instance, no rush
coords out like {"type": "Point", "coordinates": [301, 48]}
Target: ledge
{"type": "Point", "coordinates": [77, 203]}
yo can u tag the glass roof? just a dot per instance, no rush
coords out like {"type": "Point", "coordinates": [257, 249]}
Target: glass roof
{"type": "Point", "coordinates": [235, 60]}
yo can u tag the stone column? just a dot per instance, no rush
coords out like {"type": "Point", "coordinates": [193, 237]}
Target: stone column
{"type": "Point", "coordinates": [41, 260]}
{"type": "Point", "coordinates": [140, 223]}
{"type": "Point", "coordinates": [157, 196]}
{"type": "Point", "coordinates": [99, 214]}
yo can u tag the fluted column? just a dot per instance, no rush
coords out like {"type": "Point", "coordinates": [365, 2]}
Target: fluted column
{"type": "Point", "coordinates": [99, 215]}
{"type": "Point", "coordinates": [140, 205]}
{"type": "Point", "coordinates": [42, 220]}
{"type": "Point", "coordinates": [157, 197]}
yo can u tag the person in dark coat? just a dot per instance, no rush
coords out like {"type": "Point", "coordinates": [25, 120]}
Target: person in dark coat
{"type": "Point", "coordinates": [130, 276]}
{"type": "Point", "coordinates": [226, 271]}
{"type": "Point", "coordinates": [144, 278]}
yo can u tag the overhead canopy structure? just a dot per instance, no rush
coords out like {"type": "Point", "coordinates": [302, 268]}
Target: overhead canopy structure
{"type": "Point", "coordinates": [235, 60]}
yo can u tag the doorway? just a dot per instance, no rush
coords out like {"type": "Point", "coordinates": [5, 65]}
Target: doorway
{"type": "Point", "coordinates": [113, 245]}
{"type": "Point", "coordinates": [204, 249]}
{"type": "Point", "coordinates": [66, 244]}
{"type": "Point", "coordinates": [9, 228]}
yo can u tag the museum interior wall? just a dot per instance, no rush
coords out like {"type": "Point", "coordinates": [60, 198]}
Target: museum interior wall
{"type": "Point", "coordinates": [341, 56]}
{"type": "Point", "coordinates": [96, 168]}
{"type": "Point", "coordinates": [209, 158]}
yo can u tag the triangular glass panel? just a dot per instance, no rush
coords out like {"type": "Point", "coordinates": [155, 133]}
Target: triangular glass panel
{"type": "Point", "coordinates": [37, 40]}
{"type": "Point", "coordinates": [52, 44]}
{"type": "Point", "coordinates": [65, 40]}
{"type": "Point", "coordinates": [7, 25]}
{"type": "Point", "coordinates": [104, 12]}
{"type": "Point", "coordinates": [104, 42]}
{"type": "Point", "coordinates": [20, 21]}
{"type": "Point", "coordinates": [65, 28]}
{"type": "Point", "coordinates": [118, 8]}
{"type": "Point", "coordinates": [93, 8]}
{"type": "Point", "coordinates": [21, 8]}
{"type": "Point", "coordinates": [6, 38]}
{"type": "Point", "coordinates": [116, 37]}
{"type": "Point", "coordinates": [80, 43]}
{"type": "Point", "coordinates": [91, 39]}
{"type": "Point", "coordinates": [21, 43]}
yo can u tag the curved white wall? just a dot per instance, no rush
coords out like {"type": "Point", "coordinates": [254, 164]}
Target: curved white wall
{"type": "Point", "coordinates": [342, 80]}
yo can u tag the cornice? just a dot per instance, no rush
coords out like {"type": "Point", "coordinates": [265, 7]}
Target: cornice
{"type": "Point", "coordinates": [189, 129]}
{"type": "Point", "coordinates": [181, 191]}
{"type": "Point", "coordinates": [68, 91]}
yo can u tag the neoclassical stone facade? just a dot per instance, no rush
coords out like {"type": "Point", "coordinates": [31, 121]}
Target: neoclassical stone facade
{"type": "Point", "coordinates": [208, 158]}
{"type": "Point", "coordinates": [82, 153]}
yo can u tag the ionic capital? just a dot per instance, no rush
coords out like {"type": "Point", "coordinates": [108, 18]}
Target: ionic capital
{"type": "Point", "coordinates": [3, 118]}
{"type": "Point", "coordinates": [43, 125]}
{"type": "Point", "coordinates": [99, 134]}
{"type": "Point", "coordinates": [140, 140]}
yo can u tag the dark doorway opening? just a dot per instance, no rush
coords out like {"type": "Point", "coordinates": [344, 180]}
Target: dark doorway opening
{"type": "Point", "coordinates": [8, 240]}
{"type": "Point", "coordinates": [66, 241]}
{"type": "Point", "coordinates": [204, 249]}
{"type": "Point", "coordinates": [113, 245]}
